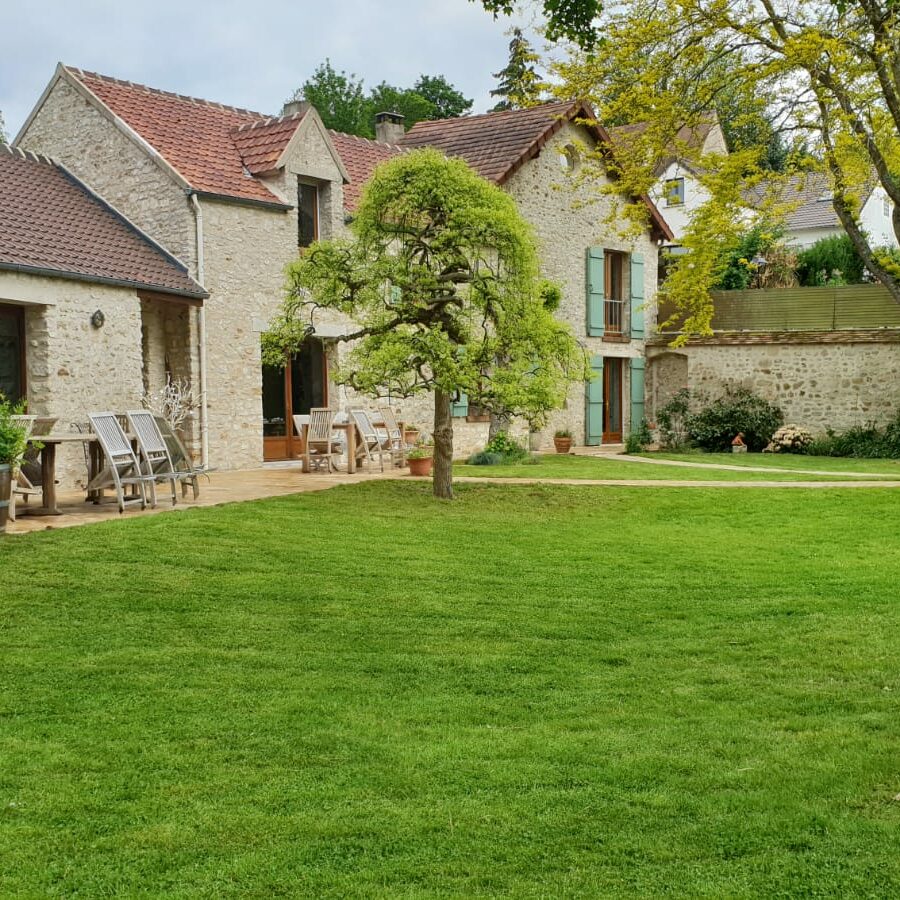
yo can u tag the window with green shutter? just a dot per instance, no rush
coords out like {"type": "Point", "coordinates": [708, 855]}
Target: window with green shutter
{"type": "Point", "coordinates": [637, 295]}
{"type": "Point", "coordinates": [459, 406]}
{"type": "Point", "coordinates": [593, 404]}
{"type": "Point", "coordinates": [595, 284]}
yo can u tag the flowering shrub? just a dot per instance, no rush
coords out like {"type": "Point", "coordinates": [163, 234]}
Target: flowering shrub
{"type": "Point", "coordinates": [737, 411]}
{"type": "Point", "coordinates": [789, 439]}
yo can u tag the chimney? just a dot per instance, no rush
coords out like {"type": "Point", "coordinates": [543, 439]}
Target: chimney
{"type": "Point", "coordinates": [294, 107]}
{"type": "Point", "coordinates": [389, 127]}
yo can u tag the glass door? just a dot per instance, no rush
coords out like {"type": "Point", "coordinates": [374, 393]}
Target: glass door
{"type": "Point", "coordinates": [612, 400]}
{"type": "Point", "coordinates": [291, 391]}
{"type": "Point", "coordinates": [12, 352]}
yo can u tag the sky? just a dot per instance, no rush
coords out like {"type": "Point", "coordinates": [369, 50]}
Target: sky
{"type": "Point", "coordinates": [246, 54]}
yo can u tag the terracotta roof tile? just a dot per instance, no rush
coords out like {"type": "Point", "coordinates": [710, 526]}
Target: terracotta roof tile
{"type": "Point", "coordinates": [260, 144]}
{"type": "Point", "coordinates": [50, 221]}
{"type": "Point", "coordinates": [360, 156]}
{"type": "Point", "coordinates": [196, 137]}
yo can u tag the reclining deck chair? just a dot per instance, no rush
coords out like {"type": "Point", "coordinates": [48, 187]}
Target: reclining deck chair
{"type": "Point", "coordinates": [394, 434]}
{"type": "Point", "coordinates": [21, 486]}
{"type": "Point", "coordinates": [121, 466]}
{"type": "Point", "coordinates": [372, 442]}
{"type": "Point", "coordinates": [152, 452]}
{"type": "Point", "coordinates": [188, 473]}
{"type": "Point", "coordinates": [321, 443]}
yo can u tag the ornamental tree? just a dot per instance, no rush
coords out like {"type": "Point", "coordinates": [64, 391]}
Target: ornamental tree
{"type": "Point", "coordinates": [440, 276]}
{"type": "Point", "coordinates": [829, 73]}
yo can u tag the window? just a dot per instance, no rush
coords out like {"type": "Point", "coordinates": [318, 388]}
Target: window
{"type": "Point", "coordinates": [885, 206]}
{"type": "Point", "coordinates": [674, 192]}
{"type": "Point", "coordinates": [614, 292]}
{"type": "Point", "coordinates": [307, 214]}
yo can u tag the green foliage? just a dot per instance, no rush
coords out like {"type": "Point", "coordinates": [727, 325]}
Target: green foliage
{"type": "Point", "coordinates": [831, 260]}
{"type": "Point", "coordinates": [863, 442]}
{"type": "Point", "coordinates": [563, 433]}
{"type": "Point", "coordinates": [570, 20]}
{"type": "Point", "coordinates": [509, 449]}
{"type": "Point", "coordinates": [739, 270]}
{"type": "Point", "coordinates": [737, 411]}
{"type": "Point", "coordinates": [671, 419]}
{"type": "Point", "coordinates": [344, 105]}
{"type": "Point", "coordinates": [638, 440]}
{"type": "Point", "coordinates": [12, 435]}
{"type": "Point", "coordinates": [3, 138]}
{"type": "Point", "coordinates": [519, 83]}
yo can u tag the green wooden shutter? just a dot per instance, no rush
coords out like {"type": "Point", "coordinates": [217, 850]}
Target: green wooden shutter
{"type": "Point", "coordinates": [637, 393]}
{"type": "Point", "coordinates": [593, 405]}
{"type": "Point", "coordinates": [637, 295]}
{"type": "Point", "coordinates": [459, 406]}
{"type": "Point", "coordinates": [596, 289]}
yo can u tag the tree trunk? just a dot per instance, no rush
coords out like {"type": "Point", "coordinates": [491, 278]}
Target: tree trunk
{"type": "Point", "coordinates": [499, 423]}
{"type": "Point", "coordinates": [443, 447]}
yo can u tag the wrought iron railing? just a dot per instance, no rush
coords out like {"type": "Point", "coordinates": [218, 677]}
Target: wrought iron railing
{"type": "Point", "coordinates": [613, 317]}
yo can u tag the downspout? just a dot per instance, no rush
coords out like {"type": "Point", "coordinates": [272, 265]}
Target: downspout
{"type": "Point", "coordinates": [201, 328]}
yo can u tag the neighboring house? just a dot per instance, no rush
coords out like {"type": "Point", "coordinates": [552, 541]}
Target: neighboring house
{"type": "Point", "coordinates": [811, 216]}
{"type": "Point", "coordinates": [678, 191]}
{"type": "Point", "coordinates": [92, 310]}
{"type": "Point", "coordinates": [234, 194]}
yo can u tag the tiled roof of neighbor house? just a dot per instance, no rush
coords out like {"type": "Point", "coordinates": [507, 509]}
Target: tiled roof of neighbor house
{"type": "Point", "coordinates": [360, 156]}
{"type": "Point", "coordinates": [260, 144]}
{"type": "Point", "coordinates": [810, 197]}
{"type": "Point", "coordinates": [52, 224]}
{"type": "Point", "coordinates": [497, 144]}
{"type": "Point", "coordinates": [694, 136]}
{"type": "Point", "coordinates": [196, 137]}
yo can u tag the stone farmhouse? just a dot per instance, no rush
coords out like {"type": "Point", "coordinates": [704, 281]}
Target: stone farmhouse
{"type": "Point", "coordinates": [229, 197]}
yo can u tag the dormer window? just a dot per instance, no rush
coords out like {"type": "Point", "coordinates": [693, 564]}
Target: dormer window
{"type": "Point", "coordinates": [674, 192]}
{"type": "Point", "coordinates": [307, 214]}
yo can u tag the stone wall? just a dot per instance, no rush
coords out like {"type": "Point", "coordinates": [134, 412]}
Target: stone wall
{"type": "Point", "coordinates": [568, 218]}
{"type": "Point", "coordinates": [71, 130]}
{"type": "Point", "coordinates": [831, 380]}
{"type": "Point", "coordinates": [72, 368]}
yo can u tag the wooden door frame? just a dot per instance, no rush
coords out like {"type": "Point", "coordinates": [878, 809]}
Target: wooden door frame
{"type": "Point", "coordinates": [610, 362]}
{"type": "Point", "coordinates": [17, 313]}
{"type": "Point", "coordinates": [293, 444]}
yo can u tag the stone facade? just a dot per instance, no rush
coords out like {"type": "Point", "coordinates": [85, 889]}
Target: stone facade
{"type": "Point", "coordinates": [820, 380]}
{"type": "Point", "coordinates": [73, 368]}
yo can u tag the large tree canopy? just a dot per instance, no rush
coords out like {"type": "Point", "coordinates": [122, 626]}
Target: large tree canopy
{"type": "Point", "coordinates": [441, 277]}
{"type": "Point", "coordinates": [829, 72]}
{"type": "Point", "coordinates": [344, 105]}
{"type": "Point", "coordinates": [518, 82]}
{"type": "Point", "coordinates": [571, 20]}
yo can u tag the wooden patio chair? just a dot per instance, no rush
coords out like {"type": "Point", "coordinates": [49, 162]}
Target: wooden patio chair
{"type": "Point", "coordinates": [122, 468]}
{"type": "Point", "coordinates": [321, 443]}
{"type": "Point", "coordinates": [372, 442]}
{"type": "Point", "coordinates": [394, 434]}
{"type": "Point", "coordinates": [184, 467]}
{"type": "Point", "coordinates": [153, 453]}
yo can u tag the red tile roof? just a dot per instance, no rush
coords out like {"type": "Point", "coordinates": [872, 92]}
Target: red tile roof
{"type": "Point", "coordinates": [260, 144]}
{"type": "Point", "coordinates": [360, 156]}
{"type": "Point", "coordinates": [196, 137]}
{"type": "Point", "coordinates": [53, 224]}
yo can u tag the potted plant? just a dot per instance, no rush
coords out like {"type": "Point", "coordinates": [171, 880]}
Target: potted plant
{"type": "Point", "coordinates": [420, 459]}
{"type": "Point", "coordinates": [562, 440]}
{"type": "Point", "coordinates": [410, 435]}
{"type": "Point", "coordinates": [13, 442]}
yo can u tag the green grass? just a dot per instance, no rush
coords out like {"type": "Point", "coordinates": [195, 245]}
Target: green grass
{"type": "Point", "coordinates": [788, 461]}
{"type": "Point", "coordinates": [550, 465]}
{"type": "Point", "coordinates": [529, 692]}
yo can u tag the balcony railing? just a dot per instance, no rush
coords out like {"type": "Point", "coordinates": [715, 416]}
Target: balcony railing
{"type": "Point", "coordinates": [613, 317]}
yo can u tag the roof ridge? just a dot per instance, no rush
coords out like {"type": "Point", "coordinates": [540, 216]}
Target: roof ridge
{"type": "Point", "coordinates": [199, 101]}
{"type": "Point", "coordinates": [365, 140]}
{"type": "Point", "coordinates": [271, 120]}
{"type": "Point", "coordinates": [27, 154]}
{"type": "Point", "coordinates": [498, 112]}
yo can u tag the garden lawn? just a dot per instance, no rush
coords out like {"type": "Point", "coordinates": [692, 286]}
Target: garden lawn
{"type": "Point", "coordinates": [788, 461]}
{"type": "Point", "coordinates": [531, 691]}
{"type": "Point", "coordinates": [552, 465]}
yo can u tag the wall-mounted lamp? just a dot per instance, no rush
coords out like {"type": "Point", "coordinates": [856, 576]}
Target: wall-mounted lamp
{"type": "Point", "coordinates": [97, 319]}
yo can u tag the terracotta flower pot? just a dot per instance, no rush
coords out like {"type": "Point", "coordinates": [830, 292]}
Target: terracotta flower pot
{"type": "Point", "coordinates": [410, 435]}
{"type": "Point", "coordinates": [562, 444]}
{"type": "Point", "coordinates": [5, 494]}
{"type": "Point", "coordinates": [421, 466]}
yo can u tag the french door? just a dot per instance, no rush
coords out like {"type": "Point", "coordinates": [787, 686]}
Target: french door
{"type": "Point", "coordinates": [299, 386]}
{"type": "Point", "coordinates": [12, 352]}
{"type": "Point", "coordinates": [612, 400]}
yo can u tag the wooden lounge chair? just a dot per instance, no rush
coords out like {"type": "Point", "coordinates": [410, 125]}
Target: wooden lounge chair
{"type": "Point", "coordinates": [121, 466]}
{"type": "Point", "coordinates": [321, 443]}
{"type": "Point", "coordinates": [188, 473]}
{"type": "Point", "coordinates": [19, 481]}
{"type": "Point", "coordinates": [394, 434]}
{"type": "Point", "coordinates": [152, 452]}
{"type": "Point", "coordinates": [372, 442]}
